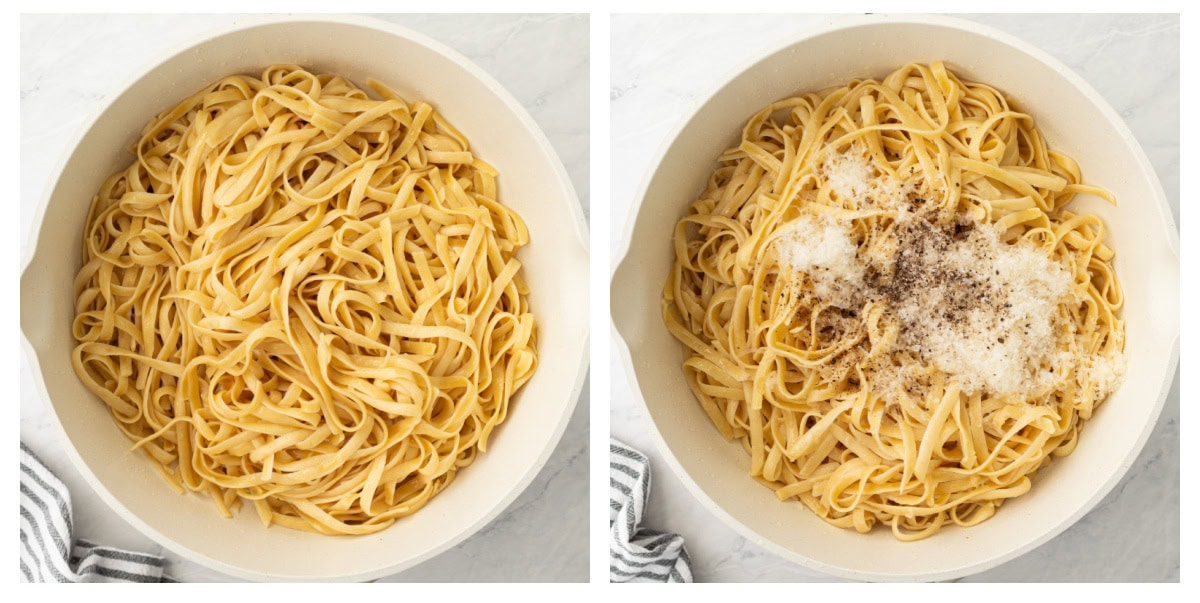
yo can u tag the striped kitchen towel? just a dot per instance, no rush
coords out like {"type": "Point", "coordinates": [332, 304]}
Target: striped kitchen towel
{"type": "Point", "coordinates": [638, 554]}
{"type": "Point", "coordinates": [47, 535]}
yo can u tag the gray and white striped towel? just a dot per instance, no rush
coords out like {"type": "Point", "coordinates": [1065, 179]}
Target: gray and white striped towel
{"type": "Point", "coordinates": [47, 530]}
{"type": "Point", "coordinates": [638, 554]}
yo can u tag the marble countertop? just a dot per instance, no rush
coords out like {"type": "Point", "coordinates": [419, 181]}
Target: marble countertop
{"type": "Point", "coordinates": [662, 65]}
{"type": "Point", "coordinates": [70, 63]}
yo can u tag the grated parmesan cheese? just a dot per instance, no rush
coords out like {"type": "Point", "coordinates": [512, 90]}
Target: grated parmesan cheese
{"type": "Point", "coordinates": [852, 176]}
{"type": "Point", "coordinates": [982, 310]}
{"type": "Point", "coordinates": [1103, 374]}
{"type": "Point", "coordinates": [824, 250]}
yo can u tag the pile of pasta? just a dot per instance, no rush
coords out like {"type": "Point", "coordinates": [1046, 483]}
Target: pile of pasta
{"type": "Point", "coordinates": [816, 370]}
{"type": "Point", "coordinates": [304, 298]}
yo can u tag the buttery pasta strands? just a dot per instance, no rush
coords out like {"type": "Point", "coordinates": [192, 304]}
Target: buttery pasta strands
{"type": "Point", "coordinates": [304, 299]}
{"type": "Point", "coordinates": [884, 298]}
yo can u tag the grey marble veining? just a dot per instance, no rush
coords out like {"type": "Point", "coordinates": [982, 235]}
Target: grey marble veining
{"type": "Point", "coordinates": [69, 63]}
{"type": "Point", "coordinates": [663, 65]}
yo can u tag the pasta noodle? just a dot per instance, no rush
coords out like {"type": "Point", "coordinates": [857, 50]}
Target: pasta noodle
{"type": "Point", "coordinates": [306, 299]}
{"type": "Point", "coordinates": [883, 296]}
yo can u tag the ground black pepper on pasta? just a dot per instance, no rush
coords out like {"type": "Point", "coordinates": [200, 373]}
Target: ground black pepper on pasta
{"type": "Point", "coordinates": [899, 319]}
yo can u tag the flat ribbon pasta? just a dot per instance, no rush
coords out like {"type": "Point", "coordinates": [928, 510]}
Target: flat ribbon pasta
{"type": "Point", "coordinates": [304, 298]}
{"type": "Point", "coordinates": [819, 377]}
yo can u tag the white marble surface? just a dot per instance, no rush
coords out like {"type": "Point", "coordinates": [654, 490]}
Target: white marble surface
{"type": "Point", "coordinates": [662, 65]}
{"type": "Point", "coordinates": [70, 63]}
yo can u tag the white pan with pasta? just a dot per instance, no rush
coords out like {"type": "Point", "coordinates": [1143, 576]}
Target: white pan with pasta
{"type": "Point", "coordinates": [810, 256]}
{"type": "Point", "coordinates": [334, 301]}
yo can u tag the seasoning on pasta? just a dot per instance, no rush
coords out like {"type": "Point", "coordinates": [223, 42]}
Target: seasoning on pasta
{"type": "Point", "coordinates": [883, 296]}
{"type": "Point", "coordinates": [305, 299]}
